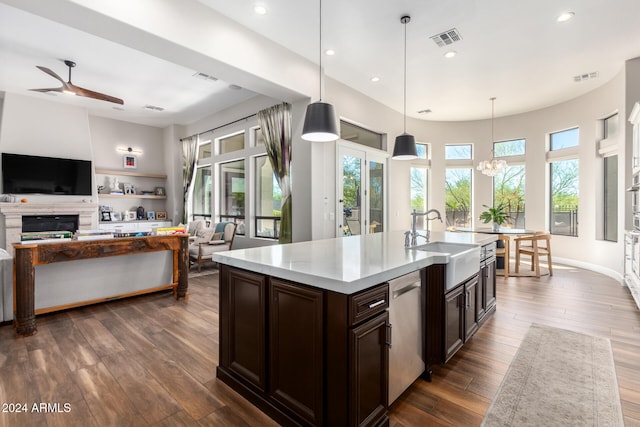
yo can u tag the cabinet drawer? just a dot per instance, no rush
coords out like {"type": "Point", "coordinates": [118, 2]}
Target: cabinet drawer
{"type": "Point", "coordinates": [368, 303]}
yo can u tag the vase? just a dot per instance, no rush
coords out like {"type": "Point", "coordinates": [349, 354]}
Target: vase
{"type": "Point", "coordinates": [495, 227]}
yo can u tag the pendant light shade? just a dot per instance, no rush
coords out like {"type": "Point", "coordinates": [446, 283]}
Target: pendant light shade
{"type": "Point", "coordinates": [494, 166]}
{"type": "Point", "coordinates": [405, 146]}
{"type": "Point", "coordinates": [320, 123]}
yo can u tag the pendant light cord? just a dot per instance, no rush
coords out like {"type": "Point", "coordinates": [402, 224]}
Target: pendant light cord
{"type": "Point", "coordinates": [405, 20]}
{"type": "Point", "coordinates": [320, 54]}
{"type": "Point", "coordinates": [493, 100]}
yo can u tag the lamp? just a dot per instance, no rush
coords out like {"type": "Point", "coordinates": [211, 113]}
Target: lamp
{"type": "Point", "coordinates": [493, 166]}
{"type": "Point", "coordinates": [405, 146]}
{"type": "Point", "coordinates": [320, 119]}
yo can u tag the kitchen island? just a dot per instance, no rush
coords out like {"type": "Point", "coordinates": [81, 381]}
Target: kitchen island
{"type": "Point", "coordinates": [304, 329]}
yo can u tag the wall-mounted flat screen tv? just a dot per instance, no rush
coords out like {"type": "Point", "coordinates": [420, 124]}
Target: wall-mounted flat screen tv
{"type": "Point", "coordinates": [24, 174]}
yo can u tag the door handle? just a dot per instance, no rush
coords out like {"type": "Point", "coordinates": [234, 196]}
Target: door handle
{"type": "Point", "coordinates": [388, 337]}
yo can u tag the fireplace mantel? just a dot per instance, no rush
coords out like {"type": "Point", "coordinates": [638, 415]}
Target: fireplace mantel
{"type": "Point", "coordinates": [13, 213]}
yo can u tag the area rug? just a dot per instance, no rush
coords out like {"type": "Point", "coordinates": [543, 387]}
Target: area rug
{"type": "Point", "coordinates": [558, 378]}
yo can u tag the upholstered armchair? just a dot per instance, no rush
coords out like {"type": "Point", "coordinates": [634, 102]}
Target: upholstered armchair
{"type": "Point", "coordinates": [219, 237]}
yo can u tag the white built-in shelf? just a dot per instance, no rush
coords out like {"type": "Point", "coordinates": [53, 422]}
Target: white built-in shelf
{"type": "Point", "coordinates": [128, 173]}
{"type": "Point", "coordinates": [132, 196]}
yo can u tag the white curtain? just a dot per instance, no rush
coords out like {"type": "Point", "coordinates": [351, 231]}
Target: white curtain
{"type": "Point", "coordinates": [189, 153]}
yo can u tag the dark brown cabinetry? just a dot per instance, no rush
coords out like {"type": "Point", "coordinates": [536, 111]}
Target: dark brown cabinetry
{"type": "Point", "coordinates": [454, 325]}
{"type": "Point", "coordinates": [303, 355]}
{"type": "Point", "coordinates": [487, 284]}
{"type": "Point", "coordinates": [470, 307]}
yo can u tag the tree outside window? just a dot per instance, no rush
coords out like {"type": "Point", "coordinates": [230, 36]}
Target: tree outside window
{"type": "Point", "coordinates": [458, 197]}
{"type": "Point", "coordinates": [564, 197]}
{"type": "Point", "coordinates": [508, 191]}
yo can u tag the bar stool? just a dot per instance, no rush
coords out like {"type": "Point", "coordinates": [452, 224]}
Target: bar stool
{"type": "Point", "coordinates": [504, 252]}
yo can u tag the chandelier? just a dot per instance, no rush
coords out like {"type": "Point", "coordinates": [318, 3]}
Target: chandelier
{"type": "Point", "coordinates": [493, 166]}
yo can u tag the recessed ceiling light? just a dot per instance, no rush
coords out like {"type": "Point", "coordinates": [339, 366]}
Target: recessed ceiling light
{"type": "Point", "coordinates": [152, 108]}
{"type": "Point", "coordinates": [260, 9]}
{"type": "Point", "coordinates": [329, 52]}
{"type": "Point", "coordinates": [450, 54]}
{"type": "Point", "coordinates": [565, 16]}
{"type": "Point", "coordinates": [375, 79]}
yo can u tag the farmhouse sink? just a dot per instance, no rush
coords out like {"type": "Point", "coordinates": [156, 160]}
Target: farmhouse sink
{"type": "Point", "coordinates": [463, 260]}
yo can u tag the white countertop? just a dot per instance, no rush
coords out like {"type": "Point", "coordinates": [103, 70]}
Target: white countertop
{"type": "Point", "coordinates": [348, 264]}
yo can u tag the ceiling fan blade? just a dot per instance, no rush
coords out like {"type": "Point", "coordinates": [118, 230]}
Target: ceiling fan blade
{"type": "Point", "coordinates": [52, 89]}
{"type": "Point", "coordinates": [96, 95]}
{"type": "Point", "coordinates": [51, 73]}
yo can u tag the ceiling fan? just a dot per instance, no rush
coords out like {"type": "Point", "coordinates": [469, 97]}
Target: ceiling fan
{"type": "Point", "coordinates": [71, 89]}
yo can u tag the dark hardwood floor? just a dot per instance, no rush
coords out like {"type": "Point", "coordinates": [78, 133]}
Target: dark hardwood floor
{"type": "Point", "coordinates": [151, 360]}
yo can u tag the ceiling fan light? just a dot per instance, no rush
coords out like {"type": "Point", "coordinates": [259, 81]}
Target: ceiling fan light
{"type": "Point", "coordinates": [320, 123]}
{"type": "Point", "coordinates": [405, 148]}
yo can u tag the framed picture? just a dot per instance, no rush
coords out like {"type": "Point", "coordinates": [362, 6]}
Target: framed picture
{"type": "Point", "coordinates": [129, 189]}
{"type": "Point", "coordinates": [151, 215]}
{"type": "Point", "coordinates": [161, 216]}
{"type": "Point", "coordinates": [105, 216]}
{"type": "Point", "coordinates": [116, 216]}
{"type": "Point", "coordinates": [160, 191]}
{"type": "Point", "coordinates": [130, 215]}
{"type": "Point", "coordinates": [130, 161]}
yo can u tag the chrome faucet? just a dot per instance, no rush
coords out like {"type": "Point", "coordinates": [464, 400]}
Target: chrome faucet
{"type": "Point", "coordinates": [413, 233]}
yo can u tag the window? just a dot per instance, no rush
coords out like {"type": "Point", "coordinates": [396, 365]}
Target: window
{"type": "Point", "coordinates": [204, 149]}
{"type": "Point", "coordinates": [458, 197]}
{"type": "Point", "coordinates": [232, 193]}
{"type": "Point", "coordinates": [360, 135]}
{"type": "Point", "coordinates": [508, 190]}
{"type": "Point", "coordinates": [201, 196]}
{"type": "Point", "coordinates": [458, 152]}
{"type": "Point", "coordinates": [230, 143]}
{"type": "Point", "coordinates": [564, 139]}
{"type": "Point", "coordinates": [268, 200]}
{"type": "Point", "coordinates": [514, 147]}
{"type": "Point", "coordinates": [608, 149]}
{"type": "Point", "coordinates": [422, 150]}
{"type": "Point", "coordinates": [419, 192]}
{"type": "Point", "coordinates": [564, 197]}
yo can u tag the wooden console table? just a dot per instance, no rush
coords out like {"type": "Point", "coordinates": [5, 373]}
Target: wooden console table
{"type": "Point", "coordinates": [27, 256]}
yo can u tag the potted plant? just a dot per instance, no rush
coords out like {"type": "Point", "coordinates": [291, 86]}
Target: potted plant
{"type": "Point", "coordinates": [496, 216]}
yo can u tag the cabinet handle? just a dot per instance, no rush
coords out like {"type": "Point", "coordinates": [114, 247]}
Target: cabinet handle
{"type": "Point", "coordinates": [377, 303]}
{"type": "Point", "coordinates": [467, 298]}
{"type": "Point", "coordinates": [388, 337]}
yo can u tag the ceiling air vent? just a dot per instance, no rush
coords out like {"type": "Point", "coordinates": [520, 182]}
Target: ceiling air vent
{"type": "Point", "coordinates": [204, 76]}
{"type": "Point", "coordinates": [448, 37]}
{"type": "Point", "coordinates": [587, 76]}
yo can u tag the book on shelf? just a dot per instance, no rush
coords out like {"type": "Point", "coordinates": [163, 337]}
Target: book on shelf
{"type": "Point", "coordinates": [45, 235]}
{"type": "Point", "coordinates": [53, 240]}
{"type": "Point", "coordinates": [131, 233]}
{"type": "Point", "coordinates": [164, 231]}
{"type": "Point", "coordinates": [94, 234]}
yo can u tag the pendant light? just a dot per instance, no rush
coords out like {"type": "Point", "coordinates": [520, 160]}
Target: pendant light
{"type": "Point", "coordinates": [493, 166]}
{"type": "Point", "coordinates": [320, 122]}
{"type": "Point", "coordinates": [405, 146]}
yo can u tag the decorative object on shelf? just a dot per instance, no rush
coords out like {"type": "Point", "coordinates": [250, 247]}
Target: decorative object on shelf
{"type": "Point", "coordinates": [405, 146]}
{"type": "Point", "coordinates": [100, 188]}
{"type": "Point", "coordinates": [115, 186]}
{"type": "Point", "coordinates": [130, 161]}
{"type": "Point", "coordinates": [116, 216]}
{"type": "Point", "coordinates": [129, 189]}
{"type": "Point", "coordinates": [161, 216]}
{"type": "Point", "coordinates": [140, 213]}
{"type": "Point", "coordinates": [130, 215]}
{"type": "Point", "coordinates": [151, 215]}
{"type": "Point", "coordinates": [148, 193]}
{"type": "Point", "coordinates": [496, 216]}
{"type": "Point", "coordinates": [105, 208]}
{"type": "Point", "coordinates": [493, 166]}
{"type": "Point", "coordinates": [320, 122]}
{"type": "Point", "coordinates": [105, 216]}
{"type": "Point", "coordinates": [160, 191]}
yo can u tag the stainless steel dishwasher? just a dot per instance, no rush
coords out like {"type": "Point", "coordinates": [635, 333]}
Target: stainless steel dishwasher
{"type": "Point", "coordinates": [405, 315]}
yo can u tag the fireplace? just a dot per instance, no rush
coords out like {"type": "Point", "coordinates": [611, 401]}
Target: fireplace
{"type": "Point", "coordinates": [33, 223]}
{"type": "Point", "coordinates": [85, 216]}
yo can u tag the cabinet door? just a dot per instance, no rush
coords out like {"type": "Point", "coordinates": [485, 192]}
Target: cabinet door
{"type": "Point", "coordinates": [369, 371]}
{"type": "Point", "coordinates": [295, 349]}
{"type": "Point", "coordinates": [454, 321]}
{"type": "Point", "coordinates": [490, 286]}
{"type": "Point", "coordinates": [470, 308]}
{"type": "Point", "coordinates": [243, 335]}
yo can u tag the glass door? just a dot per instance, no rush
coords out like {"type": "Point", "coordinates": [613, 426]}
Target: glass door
{"type": "Point", "coordinates": [361, 192]}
